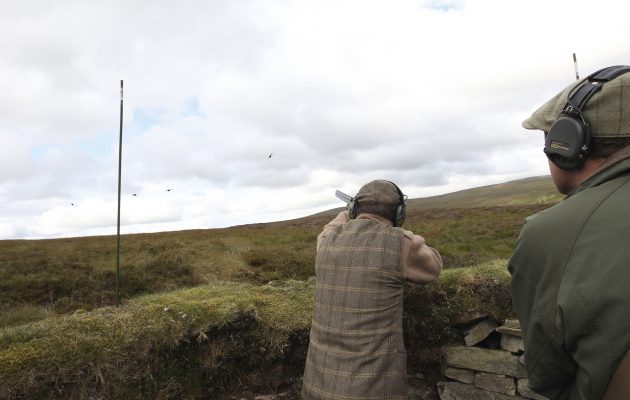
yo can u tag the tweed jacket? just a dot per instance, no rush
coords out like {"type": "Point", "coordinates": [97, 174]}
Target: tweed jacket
{"type": "Point", "coordinates": [421, 263]}
{"type": "Point", "coordinates": [356, 348]}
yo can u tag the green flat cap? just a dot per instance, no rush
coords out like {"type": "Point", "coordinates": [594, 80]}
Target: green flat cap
{"type": "Point", "coordinates": [378, 191]}
{"type": "Point", "coordinates": [608, 111]}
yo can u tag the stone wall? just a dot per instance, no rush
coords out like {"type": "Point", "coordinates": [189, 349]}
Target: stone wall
{"type": "Point", "coordinates": [489, 365]}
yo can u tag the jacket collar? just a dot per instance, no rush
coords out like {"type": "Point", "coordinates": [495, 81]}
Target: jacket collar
{"type": "Point", "coordinates": [374, 217]}
{"type": "Point", "coordinates": [614, 166]}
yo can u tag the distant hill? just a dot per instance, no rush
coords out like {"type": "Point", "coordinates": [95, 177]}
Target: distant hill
{"type": "Point", "coordinates": [527, 191]}
{"type": "Point", "coordinates": [535, 190]}
{"type": "Point", "coordinates": [196, 302]}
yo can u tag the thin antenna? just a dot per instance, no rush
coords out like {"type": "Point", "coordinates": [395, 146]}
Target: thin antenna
{"type": "Point", "coordinates": [577, 75]}
{"type": "Point", "coordinates": [119, 176]}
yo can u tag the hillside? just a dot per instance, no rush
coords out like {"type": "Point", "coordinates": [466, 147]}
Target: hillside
{"type": "Point", "coordinates": [204, 309]}
{"type": "Point", "coordinates": [203, 342]}
{"type": "Point", "coordinates": [43, 277]}
{"type": "Point", "coordinates": [46, 277]}
{"type": "Point", "coordinates": [534, 190]}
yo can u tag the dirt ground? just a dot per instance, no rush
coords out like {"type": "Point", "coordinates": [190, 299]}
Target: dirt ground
{"type": "Point", "coordinates": [422, 386]}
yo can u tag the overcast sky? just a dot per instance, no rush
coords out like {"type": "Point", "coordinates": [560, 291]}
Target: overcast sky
{"type": "Point", "coordinates": [429, 94]}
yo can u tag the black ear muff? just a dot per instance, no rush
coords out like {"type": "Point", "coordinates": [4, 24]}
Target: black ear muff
{"type": "Point", "coordinates": [401, 214]}
{"type": "Point", "coordinates": [569, 138]}
{"type": "Point", "coordinates": [567, 142]}
{"type": "Point", "coordinates": [352, 208]}
{"type": "Point", "coordinates": [401, 208]}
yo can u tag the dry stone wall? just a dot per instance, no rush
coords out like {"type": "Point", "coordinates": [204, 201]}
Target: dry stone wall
{"type": "Point", "coordinates": [488, 367]}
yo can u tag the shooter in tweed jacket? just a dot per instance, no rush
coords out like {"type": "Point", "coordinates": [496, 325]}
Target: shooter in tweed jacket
{"type": "Point", "coordinates": [364, 257]}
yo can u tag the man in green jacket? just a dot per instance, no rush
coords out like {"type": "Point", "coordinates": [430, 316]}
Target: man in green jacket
{"type": "Point", "coordinates": [571, 266]}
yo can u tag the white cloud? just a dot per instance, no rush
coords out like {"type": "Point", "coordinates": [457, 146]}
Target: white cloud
{"type": "Point", "coordinates": [429, 94]}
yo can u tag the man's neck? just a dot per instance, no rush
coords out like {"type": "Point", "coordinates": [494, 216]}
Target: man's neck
{"type": "Point", "coordinates": [593, 165]}
{"type": "Point", "coordinates": [590, 167]}
{"type": "Point", "coordinates": [374, 217]}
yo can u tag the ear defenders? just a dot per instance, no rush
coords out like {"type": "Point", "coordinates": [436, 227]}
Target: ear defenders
{"type": "Point", "coordinates": [401, 212]}
{"type": "Point", "coordinates": [401, 208]}
{"type": "Point", "coordinates": [352, 208]}
{"type": "Point", "coordinates": [569, 138]}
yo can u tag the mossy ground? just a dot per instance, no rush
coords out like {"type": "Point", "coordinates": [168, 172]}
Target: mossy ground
{"type": "Point", "coordinates": [195, 343]}
{"type": "Point", "coordinates": [45, 277]}
{"type": "Point", "coordinates": [199, 315]}
{"type": "Point", "coordinates": [184, 344]}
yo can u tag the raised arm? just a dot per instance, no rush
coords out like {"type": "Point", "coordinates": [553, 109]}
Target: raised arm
{"type": "Point", "coordinates": [423, 263]}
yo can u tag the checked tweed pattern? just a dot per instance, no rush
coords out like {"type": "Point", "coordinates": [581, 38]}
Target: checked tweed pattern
{"type": "Point", "coordinates": [356, 348]}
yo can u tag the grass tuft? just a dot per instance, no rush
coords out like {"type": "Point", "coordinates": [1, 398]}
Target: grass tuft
{"type": "Point", "coordinates": [185, 343]}
{"type": "Point", "coordinates": [205, 309]}
{"type": "Point", "coordinates": [65, 275]}
{"type": "Point", "coordinates": [193, 342]}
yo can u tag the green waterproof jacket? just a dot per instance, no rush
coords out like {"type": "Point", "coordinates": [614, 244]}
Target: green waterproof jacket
{"type": "Point", "coordinates": [571, 286]}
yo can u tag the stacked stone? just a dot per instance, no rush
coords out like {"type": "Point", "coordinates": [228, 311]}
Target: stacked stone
{"type": "Point", "coordinates": [493, 372]}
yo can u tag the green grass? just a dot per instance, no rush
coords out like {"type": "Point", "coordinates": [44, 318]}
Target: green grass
{"type": "Point", "coordinates": [536, 190]}
{"type": "Point", "coordinates": [24, 314]}
{"type": "Point", "coordinates": [195, 343]}
{"type": "Point", "coordinates": [79, 273]}
{"type": "Point", "coordinates": [182, 344]}
{"type": "Point", "coordinates": [470, 236]}
{"type": "Point", "coordinates": [529, 191]}
{"type": "Point", "coordinates": [434, 309]}
{"type": "Point", "coordinates": [65, 275]}
{"type": "Point", "coordinates": [204, 310]}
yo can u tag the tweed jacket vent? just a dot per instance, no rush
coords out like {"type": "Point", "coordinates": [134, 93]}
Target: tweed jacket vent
{"type": "Point", "coordinates": [357, 349]}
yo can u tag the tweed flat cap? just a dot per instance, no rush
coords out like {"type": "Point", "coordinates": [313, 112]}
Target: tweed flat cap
{"type": "Point", "coordinates": [379, 191]}
{"type": "Point", "coordinates": [608, 111]}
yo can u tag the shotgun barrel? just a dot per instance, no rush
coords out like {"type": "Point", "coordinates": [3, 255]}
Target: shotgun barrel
{"type": "Point", "coordinates": [344, 197]}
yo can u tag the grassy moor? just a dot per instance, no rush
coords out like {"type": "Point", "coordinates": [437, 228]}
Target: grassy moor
{"type": "Point", "coordinates": [205, 311]}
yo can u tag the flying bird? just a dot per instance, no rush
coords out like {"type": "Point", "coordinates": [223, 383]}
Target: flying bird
{"type": "Point", "coordinates": [134, 195]}
{"type": "Point", "coordinates": [270, 155]}
{"type": "Point", "coordinates": [168, 190]}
